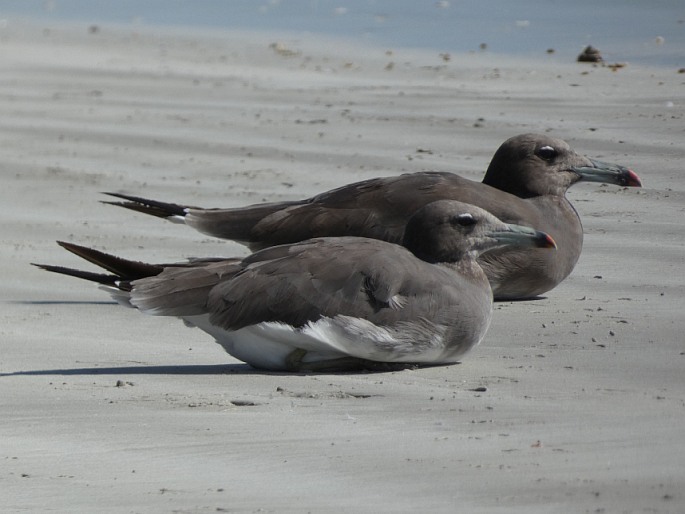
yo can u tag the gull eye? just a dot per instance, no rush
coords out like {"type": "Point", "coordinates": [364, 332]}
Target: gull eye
{"type": "Point", "coordinates": [546, 153]}
{"type": "Point", "coordinates": [464, 220]}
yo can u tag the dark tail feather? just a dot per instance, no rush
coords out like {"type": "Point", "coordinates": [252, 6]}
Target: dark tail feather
{"type": "Point", "coordinates": [100, 278]}
{"type": "Point", "coordinates": [146, 206]}
{"type": "Point", "coordinates": [123, 269]}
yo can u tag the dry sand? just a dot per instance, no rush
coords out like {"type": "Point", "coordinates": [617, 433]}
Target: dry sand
{"type": "Point", "coordinates": [573, 403]}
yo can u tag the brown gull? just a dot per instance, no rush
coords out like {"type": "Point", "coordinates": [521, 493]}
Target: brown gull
{"type": "Point", "coordinates": [525, 184]}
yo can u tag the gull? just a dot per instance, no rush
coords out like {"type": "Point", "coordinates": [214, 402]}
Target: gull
{"type": "Point", "coordinates": [525, 184]}
{"type": "Point", "coordinates": [335, 302]}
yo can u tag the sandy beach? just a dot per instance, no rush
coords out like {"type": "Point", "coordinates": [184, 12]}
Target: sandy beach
{"type": "Point", "coordinates": [573, 403]}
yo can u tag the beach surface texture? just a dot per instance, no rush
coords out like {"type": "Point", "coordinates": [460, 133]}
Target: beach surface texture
{"type": "Point", "coordinates": [574, 402]}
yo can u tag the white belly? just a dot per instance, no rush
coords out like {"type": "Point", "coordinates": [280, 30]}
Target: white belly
{"type": "Point", "coordinates": [268, 345]}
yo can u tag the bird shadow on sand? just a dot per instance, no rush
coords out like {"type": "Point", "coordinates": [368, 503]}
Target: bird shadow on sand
{"type": "Point", "coordinates": [62, 302]}
{"type": "Point", "coordinates": [192, 369]}
{"type": "Point", "coordinates": [519, 300]}
{"type": "Point", "coordinates": [201, 369]}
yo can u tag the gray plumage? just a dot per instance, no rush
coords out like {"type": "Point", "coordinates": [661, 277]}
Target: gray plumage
{"type": "Point", "coordinates": [338, 302]}
{"type": "Point", "coordinates": [525, 184]}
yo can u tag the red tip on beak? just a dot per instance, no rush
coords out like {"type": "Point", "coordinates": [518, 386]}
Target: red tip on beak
{"type": "Point", "coordinates": [632, 180]}
{"type": "Point", "coordinates": [549, 242]}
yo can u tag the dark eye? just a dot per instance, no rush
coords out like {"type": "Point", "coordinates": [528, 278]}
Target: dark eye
{"type": "Point", "coordinates": [464, 220]}
{"type": "Point", "coordinates": [546, 153]}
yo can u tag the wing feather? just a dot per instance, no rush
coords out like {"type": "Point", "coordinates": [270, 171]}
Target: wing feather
{"type": "Point", "coordinates": [353, 277]}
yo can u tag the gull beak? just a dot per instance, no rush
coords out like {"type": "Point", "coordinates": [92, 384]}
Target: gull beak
{"type": "Point", "coordinates": [518, 235]}
{"type": "Point", "coordinates": [608, 173]}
